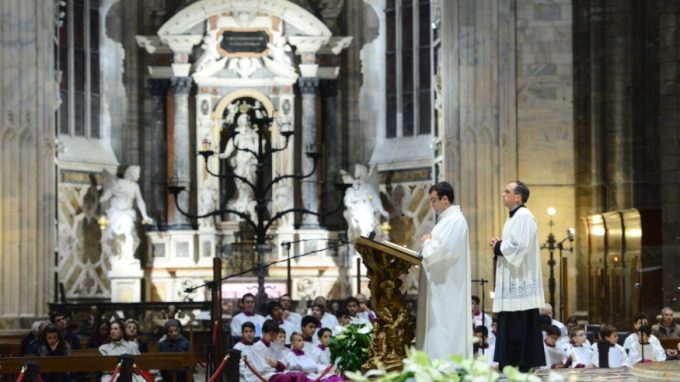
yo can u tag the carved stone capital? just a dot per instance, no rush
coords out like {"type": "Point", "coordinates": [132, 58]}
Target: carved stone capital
{"type": "Point", "coordinates": [158, 87]}
{"type": "Point", "coordinates": [181, 85]}
{"type": "Point", "coordinates": [308, 85]}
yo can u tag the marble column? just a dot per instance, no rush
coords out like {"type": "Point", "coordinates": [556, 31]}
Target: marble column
{"type": "Point", "coordinates": [154, 171]}
{"type": "Point", "coordinates": [308, 86]}
{"type": "Point", "coordinates": [333, 158]}
{"type": "Point", "coordinates": [181, 158]}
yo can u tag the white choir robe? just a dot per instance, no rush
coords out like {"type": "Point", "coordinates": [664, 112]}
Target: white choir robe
{"type": "Point", "coordinates": [446, 264]}
{"type": "Point", "coordinates": [295, 319]}
{"type": "Point", "coordinates": [299, 361]}
{"type": "Point", "coordinates": [632, 339]}
{"type": "Point", "coordinates": [257, 358]}
{"type": "Point", "coordinates": [329, 321]}
{"type": "Point", "coordinates": [245, 350]}
{"type": "Point", "coordinates": [519, 281]}
{"type": "Point", "coordinates": [241, 318]}
{"type": "Point", "coordinates": [581, 356]}
{"type": "Point", "coordinates": [652, 353]}
{"type": "Point", "coordinates": [554, 355]}
{"type": "Point", "coordinates": [309, 346]}
{"type": "Point", "coordinates": [322, 356]}
{"type": "Point", "coordinates": [486, 322]}
{"type": "Point", "coordinates": [617, 356]}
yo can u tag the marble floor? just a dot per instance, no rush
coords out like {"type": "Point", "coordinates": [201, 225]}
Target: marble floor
{"type": "Point", "coordinates": [658, 371]}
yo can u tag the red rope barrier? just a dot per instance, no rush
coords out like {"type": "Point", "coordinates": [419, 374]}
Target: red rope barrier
{"type": "Point", "coordinates": [249, 366]}
{"type": "Point", "coordinates": [198, 357]}
{"type": "Point", "coordinates": [219, 369]}
{"type": "Point", "coordinates": [21, 374]}
{"type": "Point", "coordinates": [115, 373]}
{"type": "Point", "coordinates": [329, 368]}
{"type": "Point", "coordinates": [142, 373]}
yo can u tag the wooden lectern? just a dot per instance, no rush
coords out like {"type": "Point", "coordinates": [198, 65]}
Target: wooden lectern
{"type": "Point", "coordinates": [393, 330]}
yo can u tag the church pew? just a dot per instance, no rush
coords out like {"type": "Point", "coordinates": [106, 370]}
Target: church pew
{"type": "Point", "coordinates": [86, 361]}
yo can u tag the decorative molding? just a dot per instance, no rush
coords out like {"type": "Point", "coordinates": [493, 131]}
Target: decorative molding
{"type": "Point", "coordinates": [308, 85]}
{"type": "Point", "coordinates": [308, 44]}
{"type": "Point", "coordinates": [336, 44]}
{"type": "Point", "coordinates": [181, 85]}
{"type": "Point", "coordinates": [200, 11]}
{"type": "Point", "coordinates": [152, 44]}
{"type": "Point", "coordinates": [328, 72]}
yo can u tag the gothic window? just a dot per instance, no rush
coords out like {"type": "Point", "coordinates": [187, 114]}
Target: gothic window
{"type": "Point", "coordinates": [79, 66]}
{"type": "Point", "coordinates": [408, 68]}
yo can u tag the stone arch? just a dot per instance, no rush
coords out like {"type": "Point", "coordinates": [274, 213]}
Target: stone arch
{"type": "Point", "coordinates": [229, 98]}
{"type": "Point", "coordinates": [289, 12]}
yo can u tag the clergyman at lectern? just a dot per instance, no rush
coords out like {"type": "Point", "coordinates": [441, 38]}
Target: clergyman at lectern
{"type": "Point", "coordinates": [444, 325]}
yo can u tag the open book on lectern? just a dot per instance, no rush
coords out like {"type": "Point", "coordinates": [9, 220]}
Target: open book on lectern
{"type": "Point", "coordinates": [393, 249]}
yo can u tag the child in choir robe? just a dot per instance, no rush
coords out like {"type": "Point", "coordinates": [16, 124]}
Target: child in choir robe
{"type": "Point", "coordinates": [281, 341]}
{"type": "Point", "coordinates": [634, 338]}
{"type": "Point", "coordinates": [652, 352]}
{"type": "Point", "coordinates": [482, 347]}
{"type": "Point", "coordinates": [321, 355]}
{"type": "Point", "coordinates": [309, 326]}
{"type": "Point", "coordinates": [579, 351]}
{"type": "Point", "coordinates": [299, 360]}
{"type": "Point", "coordinates": [607, 353]}
{"type": "Point", "coordinates": [554, 355]}
{"type": "Point", "coordinates": [344, 317]}
{"type": "Point", "coordinates": [263, 360]}
{"type": "Point", "coordinates": [244, 345]}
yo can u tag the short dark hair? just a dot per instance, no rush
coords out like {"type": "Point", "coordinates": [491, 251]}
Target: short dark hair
{"type": "Point", "coordinates": [351, 299]}
{"type": "Point", "coordinates": [443, 189]}
{"type": "Point", "coordinates": [522, 190]}
{"type": "Point", "coordinates": [54, 314]}
{"type": "Point", "coordinates": [273, 305]}
{"type": "Point", "coordinates": [342, 312]}
{"type": "Point", "coordinates": [574, 330]}
{"type": "Point", "coordinates": [552, 330]}
{"type": "Point", "coordinates": [640, 316]}
{"type": "Point", "coordinates": [483, 330]}
{"type": "Point", "coordinates": [606, 331]}
{"type": "Point", "coordinates": [475, 299]}
{"type": "Point", "coordinates": [247, 324]}
{"type": "Point", "coordinates": [321, 307]}
{"type": "Point", "coordinates": [243, 298]}
{"type": "Point", "coordinates": [322, 331]}
{"type": "Point", "coordinates": [307, 319]}
{"type": "Point", "coordinates": [270, 326]}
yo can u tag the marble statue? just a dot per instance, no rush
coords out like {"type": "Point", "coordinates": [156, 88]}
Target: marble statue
{"type": "Point", "coordinates": [279, 61]}
{"type": "Point", "coordinates": [210, 62]}
{"type": "Point", "coordinates": [362, 202]}
{"type": "Point", "coordinates": [243, 164]}
{"type": "Point", "coordinates": [282, 201]}
{"type": "Point", "coordinates": [207, 203]}
{"type": "Point", "coordinates": [118, 199]}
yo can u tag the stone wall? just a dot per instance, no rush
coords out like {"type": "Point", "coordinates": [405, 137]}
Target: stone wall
{"type": "Point", "coordinates": [28, 100]}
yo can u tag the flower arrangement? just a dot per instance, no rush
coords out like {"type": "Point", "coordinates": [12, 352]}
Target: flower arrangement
{"type": "Point", "coordinates": [349, 348]}
{"type": "Point", "coordinates": [419, 368]}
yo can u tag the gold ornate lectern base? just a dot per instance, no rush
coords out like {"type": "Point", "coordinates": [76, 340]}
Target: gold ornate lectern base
{"type": "Point", "coordinates": [393, 331]}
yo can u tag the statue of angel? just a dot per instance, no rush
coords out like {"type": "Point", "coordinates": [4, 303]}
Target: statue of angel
{"type": "Point", "coordinates": [118, 199]}
{"type": "Point", "coordinates": [210, 62]}
{"type": "Point", "coordinates": [362, 202]}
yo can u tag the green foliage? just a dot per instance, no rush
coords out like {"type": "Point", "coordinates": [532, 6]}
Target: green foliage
{"type": "Point", "coordinates": [349, 348]}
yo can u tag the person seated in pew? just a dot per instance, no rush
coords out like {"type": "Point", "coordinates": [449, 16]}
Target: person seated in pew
{"type": "Point", "coordinates": [100, 336]}
{"type": "Point", "coordinates": [132, 335]}
{"type": "Point", "coordinates": [579, 351]}
{"type": "Point", "coordinates": [321, 354]}
{"type": "Point", "coordinates": [174, 342]}
{"type": "Point", "coordinates": [607, 353]}
{"type": "Point", "coordinates": [52, 344]}
{"type": "Point", "coordinates": [263, 359]}
{"type": "Point", "coordinates": [117, 345]}
{"type": "Point", "coordinates": [309, 325]}
{"type": "Point", "coordinates": [31, 342]}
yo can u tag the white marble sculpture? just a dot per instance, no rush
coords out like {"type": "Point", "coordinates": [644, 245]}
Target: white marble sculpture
{"type": "Point", "coordinates": [118, 200]}
{"type": "Point", "coordinates": [207, 203]}
{"type": "Point", "coordinates": [210, 62]}
{"type": "Point", "coordinates": [362, 202]}
{"type": "Point", "coordinates": [282, 201]}
{"type": "Point", "coordinates": [243, 164]}
{"type": "Point", "coordinates": [279, 61]}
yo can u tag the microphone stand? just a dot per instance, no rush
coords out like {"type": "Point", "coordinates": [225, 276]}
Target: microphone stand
{"type": "Point", "coordinates": [481, 282]}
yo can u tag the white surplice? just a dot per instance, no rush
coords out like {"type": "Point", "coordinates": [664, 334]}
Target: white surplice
{"type": "Point", "coordinates": [446, 265]}
{"type": "Point", "coordinates": [519, 283]}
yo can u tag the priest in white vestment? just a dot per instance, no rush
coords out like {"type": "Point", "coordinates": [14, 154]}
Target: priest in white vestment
{"type": "Point", "coordinates": [518, 293]}
{"type": "Point", "coordinates": [447, 325]}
